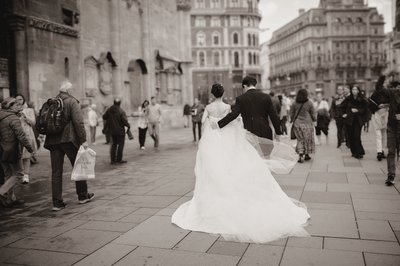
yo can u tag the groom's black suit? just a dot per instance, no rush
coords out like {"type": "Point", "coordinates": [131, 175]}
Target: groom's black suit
{"type": "Point", "coordinates": [255, 108]}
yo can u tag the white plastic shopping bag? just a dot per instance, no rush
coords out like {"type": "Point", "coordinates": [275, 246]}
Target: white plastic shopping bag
{"type": "Point", "coordinates": [84, 165]}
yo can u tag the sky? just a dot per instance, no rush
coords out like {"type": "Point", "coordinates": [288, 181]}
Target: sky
{"type": "Point", "coordinates": [277, 13]}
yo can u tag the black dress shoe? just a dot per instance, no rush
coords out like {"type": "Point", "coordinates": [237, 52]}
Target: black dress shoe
{"type": "Point", "coordinates": [122, 161]}
{"type": "Point", "coordinates": [307, 157]}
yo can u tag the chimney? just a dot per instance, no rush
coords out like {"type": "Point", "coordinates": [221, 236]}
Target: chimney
{"type": "Point", "coordinates": [301, 11]}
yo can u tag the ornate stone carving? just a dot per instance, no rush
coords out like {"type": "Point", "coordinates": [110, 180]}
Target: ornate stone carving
{"type": "Point", "coordinates": [106, 64]}
{"type": "Point", "coordinates": [52, 26]}
{"type": "Point", "coordinates": [183, 5]}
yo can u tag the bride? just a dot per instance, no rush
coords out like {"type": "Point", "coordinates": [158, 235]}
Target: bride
{"type": "Point", "coordinates": [235, 193]}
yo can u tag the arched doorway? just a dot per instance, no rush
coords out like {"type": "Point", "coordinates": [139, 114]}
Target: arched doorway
{"type": "Point", "coordinates": [136, 70]}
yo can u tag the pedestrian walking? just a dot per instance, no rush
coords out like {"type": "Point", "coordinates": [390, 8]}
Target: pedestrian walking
{"type": "Point", "coordinates": [303, 116]}
{"type": "Point", "coordinates": [12, 136]}
{"type": "Point", "coordinates": [143, 123]}
{"type": "Point", "coordinates": [336, 113]}
{"type": "Point", "coordinates": [28, 121]}
{"type": "Point", "coordinates": [197, 111]}
{"type": "Point", "coordinates": [379, 106]}
{"type": "Point", "coordinates": [93, 123]}
{"type": "Point", "coordinates": [323, 119]}
{"type": "Point", "coordinates": [275, 102]}
{"type": "Point", "coordinates": [67, 141]}
{"type": "Point", "coordinates": [154, 119]}
{"type": "Point", "coordinates": [283, 114]}
{"type": "Point", "coordinates": [355, 116]}
{"type": "Point", "coordinates": [117, 121]}
{"type": "Point", "coordinates": [186, 115]}
{"type": "Point", "coordinates": [347, 92]}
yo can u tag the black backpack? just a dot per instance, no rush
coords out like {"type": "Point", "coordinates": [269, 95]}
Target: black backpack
{"type": "Point", "coordinates": [51, 119]}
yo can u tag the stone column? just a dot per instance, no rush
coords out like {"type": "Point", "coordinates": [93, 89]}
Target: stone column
{"type": "Point", "coordinates": [116, 46]}
{"type": "Point", "coordinates": [149, 78]}
{"type": "Point", "coordinates": [17, 24]}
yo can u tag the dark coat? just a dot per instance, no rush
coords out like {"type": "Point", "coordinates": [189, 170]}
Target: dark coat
{"type": "Point", "coordinates": [74, 131]}
{"type": "Point", "coordinates": [361, 104]}
{"type": "Point", "coordinates": [255, 107]}
{"type": "Point", "coordinates": [337, 110]}
{"type": "Point", "coordinates": [116, 120]}
{"type": "Point", "coordinates": [11, 136]}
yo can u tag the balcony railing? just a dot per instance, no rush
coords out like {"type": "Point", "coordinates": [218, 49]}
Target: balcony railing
{"type": "Point", "coordinates": [243, 10]}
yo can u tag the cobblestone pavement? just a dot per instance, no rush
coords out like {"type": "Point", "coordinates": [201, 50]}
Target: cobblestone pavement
{"type": "Point", "coordinates": [355, 219]}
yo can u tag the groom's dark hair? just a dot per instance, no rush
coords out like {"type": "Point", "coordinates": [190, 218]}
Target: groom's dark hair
{"type": "Point", "coordinates": [249, 81]}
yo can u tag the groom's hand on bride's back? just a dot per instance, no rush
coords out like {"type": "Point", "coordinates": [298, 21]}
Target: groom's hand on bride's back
{"type": "Point", "coordinates": [214, 125]}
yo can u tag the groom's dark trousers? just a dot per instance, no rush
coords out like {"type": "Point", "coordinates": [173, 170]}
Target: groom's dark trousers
{"type": "Point", "coordinates": [255, 107]}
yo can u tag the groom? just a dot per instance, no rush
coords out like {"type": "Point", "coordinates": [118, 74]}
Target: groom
{"type": "Point", "coordinates": [255, 107]}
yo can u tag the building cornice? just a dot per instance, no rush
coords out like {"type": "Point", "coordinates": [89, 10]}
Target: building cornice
{"type": "Point", "coordinates": [47, 25]}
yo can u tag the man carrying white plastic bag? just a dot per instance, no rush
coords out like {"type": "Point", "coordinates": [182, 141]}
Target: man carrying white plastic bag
{"type": "Point", "coordinates": [84, 165]}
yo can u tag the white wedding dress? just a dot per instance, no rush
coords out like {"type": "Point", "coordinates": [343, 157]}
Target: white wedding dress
{"type": "Point", "coordinates": [235, 193]}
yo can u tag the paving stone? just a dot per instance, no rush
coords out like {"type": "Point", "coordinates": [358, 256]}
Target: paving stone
{"type": "Point", "coordinates": [381, 259]}
{"type": "Point", "coordinates": [325, 177]}
{"type": "Point", "coordinates": [310, 256]}
{"type": "Point", "coordinates": [356, 195]}
{"type": "Point", "coordinates": [166, 212]}
{"type": "Point", "coordinates": [107, 226]}
{"type": "Point", "coordinates": [330, 206]}
{"type": "Point", "coordinates": [395, 225]}
{"type": "Point", "coordinates": [261, 255]}
{"type": "Point", "coordinates": [74, 241]}
{"type": "Point", "coordinates": [9, 253]}
{"type": "Point", "coordinates": [53, 227]}
{"type": "Point", "coordinates": [154, 256]}
{"type": "Point", "coordinates": [11, 237]}
{"type": "Point", "coordinates": [147, 211]}
{"type": "Point", "coordinates": [377, 230]}
{"type": "Point", "coordinates": [44, 258]}
{"type": "Point", "coordinates": [377, 216]}
{"type": "Point", "coordinates": [362, 188]}
{"type": "Point", "coordinates": [107, 255]}
{"type": "Point", "coordinates": [280, 242]}
{"type": "Point", "coordinates": [197, 241]}
{"type": "Point", "coordinates": [179, 202]}
{"type": "Point", "coordinates": [383, 247]}
{"type": "Point", "coordinates": [156, 231]}
{"type": "Point", "coordinates": [291, 181]}
{"type": "Point", "coordinates": [146, 201]}
{"type": "Point", "coordinates": [315, 186]}
{"type": "Point", "coordinates": [357, 178]}
{"type": "Point", "coordinates": [106, 213]}
{"type": "Point", "coordinates": [306, 242]}
{"type": "Point", "coordinates": [135, 218]}
{"type": "Point", "coordinates": [326, 197]}
{"type": "Point", "coordinates": [228, 248]}
{"type": "Point", "coordinates": [175, 188]}
{"type": "Point", "coordinates": [294, 194]}
{"type": "Point", "coordinates": [377, 205]}
{"type": "Point", "coordinates": [352, 164]}
{"type": "Point", "coordinates": [332, 223]}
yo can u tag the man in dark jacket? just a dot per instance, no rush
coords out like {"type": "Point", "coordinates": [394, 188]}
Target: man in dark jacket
{"type": "Point", "coordinates": [337, 111]}
{"type": "Point", "coordinates": [255, 107]}
{"type": "Point", "coordinates": [117, 121]}
{"type": "Point", "coordinates": [11, 136]}
{"type": "Point", "coordinates": [197, 111]}
{"type": "Point", "coordinates": [67, 143]}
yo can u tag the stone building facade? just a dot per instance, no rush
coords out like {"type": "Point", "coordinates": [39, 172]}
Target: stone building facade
{"type": "Point", "coordinates": [133, 49]}
{"type": "Point", "coordinates": [340, 42]}
{"type": "Point", "coordinates": [225, 45]}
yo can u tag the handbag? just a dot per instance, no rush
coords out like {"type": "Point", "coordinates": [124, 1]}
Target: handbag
{"type": "Point", "coordinates": [292, 134]}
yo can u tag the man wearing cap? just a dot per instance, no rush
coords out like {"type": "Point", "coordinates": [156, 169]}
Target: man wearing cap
{"type": "Point", "coordinates": [67, 143]}
{"type": "Point", "coordinates": [11, 136]}
{"type": "Point", "coordinates": [117, 121]}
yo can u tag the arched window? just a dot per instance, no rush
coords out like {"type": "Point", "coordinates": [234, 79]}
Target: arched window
{"type": "Point", "coordinates": [249, 39]}
{"type": "Point", "coordinates": [254, 59]}
{"type": "Point", "coordinates": [254, 39]}
{"type": "Point", "coordinates": [235, 38]}
{"type": "Point", "coordinates": [216, 59]}
{"type": "Point", "coordinates": [216, 38]}
{"type": "Point", "coordinates": [201, 39]}
{"type": "Point", "coordinates": [349, 20]}
{"type": "Point", "coordinates": [66, 67]}
{"type": "Point", "coordinates": [338, 20]}
{"type": "Point", "coordinates": [250, 59]}
{"type": "Point", "coordinates": [202, 59]}
{"type": "Point", "coordinates": [236, 59]}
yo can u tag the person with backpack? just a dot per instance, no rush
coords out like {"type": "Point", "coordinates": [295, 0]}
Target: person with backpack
{"type": "Point", "coordinates": [61, 120]}
{"type": "Point", "coordinates": [12, 136]}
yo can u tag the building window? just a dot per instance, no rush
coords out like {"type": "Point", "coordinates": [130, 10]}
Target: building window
{"type": "Point", "coordinates": [234, 3]}
{"type": "Point", "coordinates": [349, 20]}
{"type": "Point", "coordinates": [216, 38]}
{"type": "Point", "coordinates": [215, 3]}
{"type": "Point", "coordinates": [248, 22]}
{"type": "Point", "coordinates": [375, 31]}
{"type": "Point", "coordinates": [235, 38]}
{"type": "Point", "coordinates": [338, 20]}
{"type": "Point", "coordinates": [319, 48]}
{"type": "Point", "coordinates": [254, 39]}
{"type": "Point", "coordinates": [66, 67]}
{"type": "Point", "coordinates": [250, 59]}
{"type": "Point", "coordinates": [249, 39]}
{"type": "Point", "coordinates": [236, 59]}
{"type": "Point", "coordinates": [202, 59]}
{"type": "Point", "coordinates": [216, 59]}
{"type": "Point", "coordinates": [201, 39]}
{"type": "Point", "coordinates": [200, 22]}
{"type": "Point", "coordinates": [359, 20]}
{"type": "Point", "coordinates": [68, 17]}
{"type": "Point", "coordinates": [235, 21]}
{"type": "Point", "coordinates": [254, 59]}
{"type": "Point", "coordinates": [199, 4]}
{"type": "Point", "coordinates": [215, 22]}
{"type": "Point", "coordinates": [319, 60]}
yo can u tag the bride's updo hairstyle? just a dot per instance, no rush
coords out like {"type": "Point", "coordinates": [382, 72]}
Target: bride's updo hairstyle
{"type": "Point", "coordinates": [217, 90]}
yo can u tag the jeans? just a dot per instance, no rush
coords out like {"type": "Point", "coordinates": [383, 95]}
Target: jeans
{"type": "Point", "coordinates": [92, 134]}
{"type": "Point", "coordinates": [198, 124]}
{"type": "Point", "coordinates": [142, 136]}
{"type": "Point", "coordinates": [283, 125]}
{"type": "Point", "coordinates": [391, 157]}
{"type": "Point", "coordinates": [154, 131]}
{"type": "Point", "coordinates": [340, 130]}
{"type": "Point", "coordinates": [57, 155]}
{"type": "Point", "coordinates": [117, 148]}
